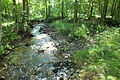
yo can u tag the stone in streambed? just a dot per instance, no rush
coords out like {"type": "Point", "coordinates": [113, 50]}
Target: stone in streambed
{"type": "Point", "coordinates": [41, 51]}
{"type": "Point", "coordinates": [2, 78]}
{"type": "Point", "coordinates": [50, 73]}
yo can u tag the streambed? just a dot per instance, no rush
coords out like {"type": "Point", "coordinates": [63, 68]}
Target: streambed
{"type": "Point", "coordinates": [37, 59]}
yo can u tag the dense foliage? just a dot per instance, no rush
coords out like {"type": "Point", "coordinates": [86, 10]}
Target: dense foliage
{"type": "Point", "coordinates": [102, 59]}
{"type": "Point", "coordinates": [99, 59]}
{"type": "Point", "coordinates": [9, 36]}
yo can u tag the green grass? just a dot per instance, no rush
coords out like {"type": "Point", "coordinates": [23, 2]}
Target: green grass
{"type": "Point", "coordinates": [101, 61]}
{"type": "Point", "coordinates": [62, 26]}
{"type": "Point", "coordinates": [80, 32]}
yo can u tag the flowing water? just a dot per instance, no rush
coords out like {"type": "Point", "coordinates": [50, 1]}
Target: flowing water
{"type": "Point", "coordinates": [35, 60]}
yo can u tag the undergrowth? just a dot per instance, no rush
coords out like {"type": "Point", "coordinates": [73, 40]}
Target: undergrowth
{"type": "Point", "coordinates": [62, 26]}
{"type": "Point", "coordinates": [9, 36]}
{"type": "Point", "coordinates": [101, 61]}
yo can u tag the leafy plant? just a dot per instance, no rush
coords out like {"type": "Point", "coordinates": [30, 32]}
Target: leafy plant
{"type": "Point", "coordinates": [63, 26]}
{"type": "Point", "coordinates": [1, 49]}
{"type": "Point", "coordinates": [80, 32]}
{"type": "Point", "coordinates": [9, 35]}
{"type": "Point", "coordinates": [105, 50]}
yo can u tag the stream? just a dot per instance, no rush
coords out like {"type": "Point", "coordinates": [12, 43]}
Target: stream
{"type": "Point", "coordinates": [36, 60]}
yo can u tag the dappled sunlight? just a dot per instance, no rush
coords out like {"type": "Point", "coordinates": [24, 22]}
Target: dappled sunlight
{"type": "Point", "coordinates": [8, 23]}
{"type": "Point", "coordinates": [42, 41]}
{"type": "Point", "coordinates": [49, 46]}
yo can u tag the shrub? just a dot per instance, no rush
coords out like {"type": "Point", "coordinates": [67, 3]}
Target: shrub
{"type": "Point", "coordinates": [105, 50]}
{"type": "Point", "coordinates": [9, 35]}
{"type": "Point", "coordinates": [80, 32]}
{"type": "Point", "coordinates": [63, 26]}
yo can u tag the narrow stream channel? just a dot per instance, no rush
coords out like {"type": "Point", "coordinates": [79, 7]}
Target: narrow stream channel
{"type": "Point", "coordinates": [36, 61]}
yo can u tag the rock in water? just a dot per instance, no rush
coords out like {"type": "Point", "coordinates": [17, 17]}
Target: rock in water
{"type": "Point", "coordinates": [40, 51]}
{"type": "Point", "coordinates": [2, 78]}
{"type": "Point", "coordinates": [61, 78]}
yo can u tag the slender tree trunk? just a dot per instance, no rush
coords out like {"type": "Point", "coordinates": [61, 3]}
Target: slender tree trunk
{"type": "Point", "coordinates": [80, 7]}
{"type": "Point", "coordinates": [46, 10]}
{"type": "Point", "coordinates": [75, 10]}
{"type": "Point", "coordinates": [27, 7]}
{"type": "Point", "coordinates": [0, 29]}
{"type": "Point", "coordinates": [62, 10]}
{"type": "Point", "coordinates": [117, 11]}
{"type": "Point", "coordinates": [91, 10]}
{"type": "Point", "coordinates": [104, 8]}
{"type": "Point", "coordinates": [66, 14]}
{"type": "Point", "coordinates": [15, 11]}
{"type": "Point", "coordinates": [49, 12]}
{"type": "Point", "coordinates": [113, 9]}
{"type": "Point", "coordinates": [24, 11]}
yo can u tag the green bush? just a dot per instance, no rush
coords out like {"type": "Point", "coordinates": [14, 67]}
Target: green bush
{"type": "Point", "coordinates": [63, 26]}
{"type": "Point", "coordinates": [105, 52]}
{"type": "Point", "coordinates": [9, 36]}
{"type": "Point", "coordinates": [80, 32]}
{"type": "Point", "coordinates": [107, 42]}
{"type": "Point", "coordinates": [94, 27]}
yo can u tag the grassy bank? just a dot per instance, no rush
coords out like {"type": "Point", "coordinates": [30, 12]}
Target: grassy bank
{"type": "Point", "coordinates": [99, 59]}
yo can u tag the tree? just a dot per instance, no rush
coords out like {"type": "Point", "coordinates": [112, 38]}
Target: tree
{"type": "Point", "coordinates": [27, 7]}
{"type": "Point", "coordinates": [46, 10]}
{"type": "Point", "coordinates": [115, 10]}
{"type": "Point", "coordinates": [114, 4]}
{"type": "Point", "coordinates": [49, 12]}
{"type": "Point", "coordinates": [75, 10]}
{"type": "Point", "coordinates": [0, 29]}
{"type": "Point", "coordinates": [91, 9]}
{"type": "Point", "coordinates": [104, 9]}
{"type": "Point", "coordinates": [62, 10]}
{"type": "Point", "coordinates": [15, 11]}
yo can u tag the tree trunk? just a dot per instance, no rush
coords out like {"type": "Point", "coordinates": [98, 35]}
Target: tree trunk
{"type": "Point", "coordinates": [24, 11]}
{"type": "Point", "coordinates": [75, 10]}
{"type": "Point", "coordinates": [112, 9]}
{"type": "Point", "coordinates": [114, 4]}
{"type": "Point", "coordinates": [15, 11]}
{"type": "Point", "coordinates": [117, 11]}
{"type": "Point", "coordinates": [91, 10]}
{"type": "Point", "coordinates": [62, 10]}
{"type": "Point", "coordinates": [49, 12]}
{"type": "Point", "coordinates": [27, 8]}
{"type": "Point", "coordinates": [66, 11]}
{"type": "Point", "coordinates": [46, 12]}
{"type": "Point", "coordinates": [0, 29]}
{"type": "Point", "coordinates": [104, 10]}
